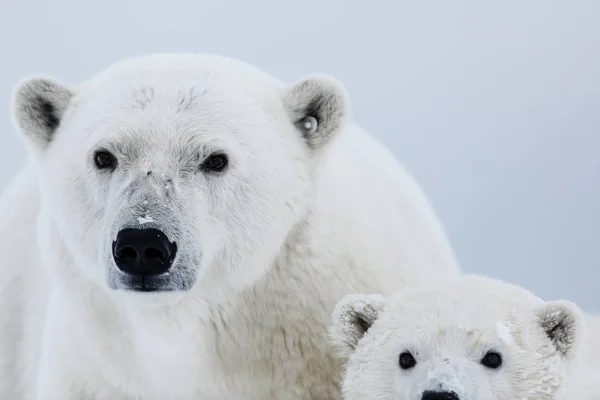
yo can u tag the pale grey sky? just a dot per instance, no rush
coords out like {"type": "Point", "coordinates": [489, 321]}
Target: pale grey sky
{"type": "Point", "coordinates": [493, 106]}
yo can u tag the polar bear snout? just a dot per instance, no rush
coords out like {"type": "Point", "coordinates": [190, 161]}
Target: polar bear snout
{"type": "Point", "coordinates": [431, 395]}
{"type": "Point", "coordinates": [143, 253]}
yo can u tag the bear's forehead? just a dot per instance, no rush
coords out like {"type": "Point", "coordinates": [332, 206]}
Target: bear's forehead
{"type": "Point", "coordinates": [181, 97]}
{"type": "Point", "coordinates": [183, 109]}
{"type": "Point", "coordinates": [200, 85]}
{"type": "Point", "coordinates": [174, 73]}
{"type": "Point", "coordinates": [452, 304]}
{"type": "Point", "coordinates": [452, 318]}
{"type": "Point", "coordinates": [446, 336]}
{"type": "Point", "coordinates": [466, 298]}
{"type": "Point", "coordinates": [455, 318]}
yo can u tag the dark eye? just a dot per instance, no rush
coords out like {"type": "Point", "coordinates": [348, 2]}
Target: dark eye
{"type": "Point", "coordinates": [492, 360]}
{"type": "Point", "coordinates": [215, 163]}
{"type": "Point", "coordinates": [407, 361]}
{"type": "Point", "coordinates": [104, 159]}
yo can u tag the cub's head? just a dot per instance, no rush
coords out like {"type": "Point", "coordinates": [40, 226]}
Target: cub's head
{"type": "Point", "coordinates": [169, 172]}
{"type": "Point", "coordinates": [473, 339]}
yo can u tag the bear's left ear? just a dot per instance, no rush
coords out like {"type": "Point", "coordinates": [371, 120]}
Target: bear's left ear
{"type": "Point", "coordinates": [352, 317]}
{"type": "Point", "coordinates": [39, 103]}
{"type": "Point", "coordinates": [563, 323]}
{"type": "Point", "coordinates": [318, 107]}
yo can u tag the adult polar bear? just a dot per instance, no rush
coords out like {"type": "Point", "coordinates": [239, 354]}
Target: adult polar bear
{"type": "Point", "coordinates": [196, 222]}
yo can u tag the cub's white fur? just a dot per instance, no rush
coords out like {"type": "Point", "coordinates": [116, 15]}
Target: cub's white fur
{"type": "Point", "coordinates": [302, 215]}
{"type": "Point", "coordinates": [472, 338]}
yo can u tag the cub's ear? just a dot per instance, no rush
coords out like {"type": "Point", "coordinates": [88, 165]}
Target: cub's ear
{"type": "Point", "coordinates": [352, 317]}
{"type": "Point", "coordinates": [38, 105]}
{"type": "Point", "coordinates": [563, 323]}
{"type": "Point", "coordinates": [318, 107]}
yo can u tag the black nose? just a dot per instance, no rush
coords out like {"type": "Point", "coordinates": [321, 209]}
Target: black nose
{"type": "Point", "coordinates": [143, 252]}
{"type": "Point", "coordinates": [429, 395]}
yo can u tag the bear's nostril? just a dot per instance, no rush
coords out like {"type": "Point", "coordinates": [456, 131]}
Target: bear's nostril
{"type": "Point", "coordinates": [127, 253]}
{"type": "Point", "coordinates": [155, 254]}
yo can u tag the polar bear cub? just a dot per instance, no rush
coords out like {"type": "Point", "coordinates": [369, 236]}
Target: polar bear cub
{"type": "Point", "coordinates": [474, 338]}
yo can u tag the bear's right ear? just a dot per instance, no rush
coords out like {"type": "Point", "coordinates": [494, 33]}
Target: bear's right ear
{"type": "Point", "coordinates": [352, 318]}
{"type": "Point", "coordinates": [318, 107]}
{"type": "Point", "coordinates": [563, 323]}
{"type": "Point", "coordinates": [39, 103]}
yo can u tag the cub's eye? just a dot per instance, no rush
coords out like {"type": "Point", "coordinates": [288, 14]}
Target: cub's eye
{"type": "Point", "coordinates": [492, 360]}
{"type": "Point", "coordinates": [215, 163]}
{"type": "Point", "coordinates": [104, 160]}
{"type": "Point", "coordinates": [407, 361]}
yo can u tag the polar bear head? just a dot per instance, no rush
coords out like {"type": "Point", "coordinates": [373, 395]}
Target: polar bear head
{"type": "Point", "coordinates": [168, 172]}
{"type": "Point", "coordinates": [472, 339]}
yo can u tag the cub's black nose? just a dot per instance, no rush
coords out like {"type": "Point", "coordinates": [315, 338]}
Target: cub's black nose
{"type": "Point", "coordinates": [429, 395]}
{"type": "Point", "coordinates": [143, 252]}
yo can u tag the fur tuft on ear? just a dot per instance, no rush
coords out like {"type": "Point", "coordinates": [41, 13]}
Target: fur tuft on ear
{"type": "Point", "coordinates": [563, 323]}
{"type": "Point", "coordinates": [352, 317]}
{"type": "Point", "coordinates": [318, 108]}
{"type": "Point", "coordinates": [39, 103]}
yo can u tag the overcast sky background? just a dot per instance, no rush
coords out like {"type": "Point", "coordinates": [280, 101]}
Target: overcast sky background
{"type": "Point", "coordinates": [493, 106]}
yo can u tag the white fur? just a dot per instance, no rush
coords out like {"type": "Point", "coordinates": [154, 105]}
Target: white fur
{"type": "Point", "coordinates": [269, 247]}
{"type": "Point", "coordinates": [450, 327]}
